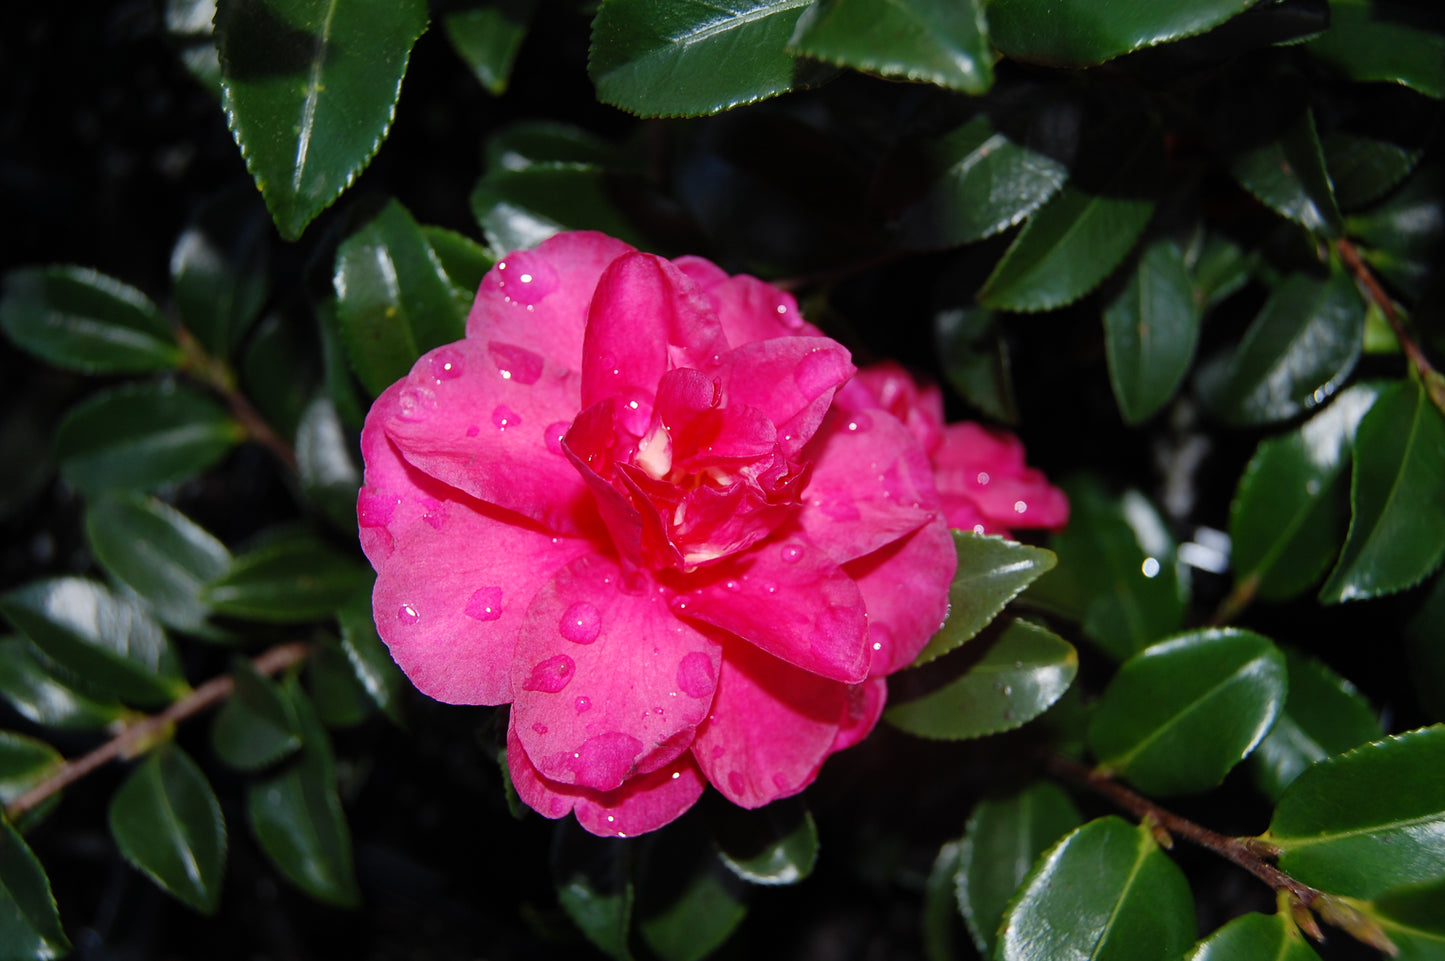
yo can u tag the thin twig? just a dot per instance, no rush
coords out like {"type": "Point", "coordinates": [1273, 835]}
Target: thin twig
{"type": "Point", "coordinates": [1235, 601]}
{"type": "Point", "coordinates": [138, 734]}
{"type": "Point", "coordinates": [216, 375]}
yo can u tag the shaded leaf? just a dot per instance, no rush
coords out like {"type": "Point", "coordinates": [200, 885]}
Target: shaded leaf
{"type": "Point", "coordinates": [1404, 234]}
{"type": "Point", "coordinates": [975, 360]}
{"type": "Point", "coordinates": [593, 877]}
{"type": "Point", "coordinates": [931, 41]}
{"type": "Point", "coordinates": [1217, 268]}
{"type": "Point", "coordinates": [30, 684]}
{"type": "Point", "coordinates": [188, 26]}
{"type": "Point", "coordinates": [1363, 169]}
{"type": "Point", "coordinates": [1255, 937]}
{"type": "Point", "coordinates": [1413, 918]}
{"type": "Point", "coordinates": [1425, 642]}
{"type": "Point", "coordinates": [518, 209]}
{"type": "Point", "coordinates": [777, 844]}
{"type": "Point", "coordinates": [326, 464]}
{"type": "Point", "coordinates": [335, 689]}
{"type": "Point", "coordinates": [464, 262]}
{"type": "Point", "coordinates": [1150, 330]}
{"type": "Point", "coordinates": [309, 89]}
{"type": "Point", "coordinates": [991, 572]}
{"type": "Point", "coordinates": [370, 660]}
{"type": "Point", "coordinates": [168, 825]}
{"type": "Point", "coordinates": [289, 579]}
{"type": "Point", "coordinates": [29, 923]}
{"type": "Point", "coordinates": [24, 763]}
{"type": "Point", "coordinates": [77, 318]}
{"type": "Point", "coordinates": [688, 903]}
{"type": "Point", "coordinates": [940, 910]}
{"type": "Point", "coordinates": [257, 725]}
{"type": "Point", "coordinates": [1288, 176]}
{"type": "Point", "coordinates": [1077, 33]}
{"type": "Point", "coordinates": [487, 37]}
{"type": "Point", "coordinates": [279, 371]}
{"type": "Point", "coordinates": [218, 269]}
{"type": "Point", "coordinates": [1366, 43]}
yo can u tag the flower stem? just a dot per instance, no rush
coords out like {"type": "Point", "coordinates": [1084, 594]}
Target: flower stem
{"type": "Point", "coordinates": [139, 736]}
{"type": "Point", "coordinates": [217, 375]}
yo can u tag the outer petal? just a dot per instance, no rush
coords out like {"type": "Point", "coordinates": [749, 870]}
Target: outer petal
{"type": "Point", "coordinates": [792, 380]}
{"type": "Point", "coordinates": [865, 707]}
{"type": "Point", "coordinates": [486, 418]}
{"type": "Point", "coordinates": [789, 598]}
{"type": "Point", "coordinates": [548, 313]}
{"type": "Point", "coordinates": [451, 597]}
{"type": "Point", "coordinates": [987, 468]}
{"type": "Point", "coordinates": [608, 682]}
{"type": "Point", "coordinates": [394, 495]}
{"type": "Point", "coordinates": [748, 308]}
{"type": "Point", "coordinates": [770, 729]}
{"type": "Point", "coordinates": [906, 587]}
{"type": "Point", "coordinates": [889, 386]}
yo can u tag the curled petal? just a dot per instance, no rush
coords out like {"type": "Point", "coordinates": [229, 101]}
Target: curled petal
{"type": "Point", "coordinates": [865, 706]}
{"type": "Point", "coordinates": [905, 585]}
{"type": "Point", "coordinates": [791, 380]}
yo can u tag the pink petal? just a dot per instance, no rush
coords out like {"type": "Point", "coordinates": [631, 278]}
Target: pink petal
{"type": "Point", "coordinates": [463, 416]}
{"type": "Point", "coordinates": [786, 596]}
{"type": "Point", "coordinates": [865, 707]}
{"type": "Point", "coordinates": [545, 315]}
{"type": "Point", "coordinates": [889, 386]}
{"type": "Point", "coordinates": [451, 597]}
{"type": "Point", "coordinates": [394, 495]}
{"type": "Point", "coordinates": [770, 729]}
{"type": "Point", "coordinates": [748, 308]}
{"type": "Point", "coordinates": [987, 468]}
{"type": "Point", "coordinates": [607, 680]}
{"type": "Point", "coordinates": [547, 799]}
{"type": "Point", "coordinates": [906, 588]}
{"type": "Point", "coordinates": [790, 379]}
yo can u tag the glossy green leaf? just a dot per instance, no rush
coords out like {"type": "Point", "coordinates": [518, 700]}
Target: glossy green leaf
{"type": "Point", "coordinates": [1298, 351]}
{"type": "Point", "coordinates": [108, 640]}
{"type": "Point", "coordinates": [1217, 268]}
{"type": "Point", "coordinates": [158, 552]}
{"type": "Point", "coordinates": [975, 359]}
{"type": "Point", "coordinates": [593, 877]}
{"type": "Point", "coordinates": [1361, 823]}
{"type": "Point", "coordinates": [991, 572]}
{"type": "Point", "coordinates": [290, 579]}
{"type": "Point", "coordinates": [1288, 175]}
{"type": "Point", "coordinates": [1286, 519]}
{"type": "Point", "coordinates": [688, 903]}
{"type": "Point", "coordinates": [1363, 169]}
{"type": "Point", "coordinates": [1105, 892]}
{"type": "Point", "coordinates": [188, 27]}
{"type": "Point", "coordinates": [774, 845]}
{"type": "Point", "coordinates": [309, 89]}
{"type": "Point", "coordinates": [340, 386]}
{"type": "Point", "coordinates": [518, 209]}
{"type": "Point", "coordinates": [257, 725]}
{"type": "Point", "coordinates": [1003, 839]}
{"type": "Point", "coordinates": [1026, 669]}
{"type": "Point", "coordinates": [24, 763]}
{"type": "Point", "coordinates": [1397, 528]}
{"type": "Point", "coordinates": [167, 823]}
{"type": "Point", "coordinates": [335, 689]}
{"type": "Point", "coordinates": [1078, 33]}
{"type": "Point", "coordinates": [141, 436]}
{"type": "Point", "coordinates": [487, 37]}
{"type": "Point", "coordinates": [31, 685]}
{"type": "Point", "coordinates": [83, 320]}
{"type": "Point", "coordinates": [325, 462]}
{"type": "Point", "coordinates": [940, 912]}
{"type": "Point", "coordinates": [529, 142]}
{"type": "Point", "coordinates": [1150, 330]}
{"type": "Point", "coordinates": [668, 59]}
{"type": "Point", "coordinates": [296, 815]}
{"type": "Point", "coordinates": [29, 923]}
{"type": "Point", "coordinates": [1323, 715]}
{"type": "Point", "coordinates": [1366, 43]}
{"type": "Point", "coordinates": [1255, 937]}
{"type": "Point", "coordinates": [279, 371]}
{"type": "Point", "coordinates": [218, 269]}
{"type": "Point", "coordinates": [980, 181]}
{"type": "Point", "coordinates": [1425, 642]}
{"type": "Point", "coordinates": [394, 300]}
{"type": "Point", "coordinates": [370, 660]}
{"type": "Point", "coordinates": [1414, 919]}
{"type": "Point", "coordinates": [464, 262]}
{"type": "Point", "coordinates": [1404, 235]}
{"type": "Point", "coordinates": [1075, 240]}
{"type": "Point", "coordinates": [932, 41]}
{"type": "Point", "coordinates": [1178, 716]}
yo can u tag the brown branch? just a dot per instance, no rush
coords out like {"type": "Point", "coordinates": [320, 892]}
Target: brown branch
{"type": "Point", "coordinates": [215, 374]}
{"type": "Point", "coordinates": [137, 736]}
{"type": "Point", "coordinates": [1235, 602]}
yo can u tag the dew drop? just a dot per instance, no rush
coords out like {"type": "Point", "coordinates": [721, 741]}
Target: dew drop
{"type": "Point", "coordinates": [373, 509]}
{"type": "Point", "coordinates": [695, 675]}
{"type": "Point", "coordinates": [540, 728]}
{"type": "Point", "coordinates": [859, 422]}
{"type": "Point", "coordinates": [551, 675]}
{"type": "Point", "coordinates": [584, 704]}
{"type": "Point", "coordinates": [791, 553]}
{"type": "Point", "coordinates": [676, 775]}
{"type": "Point", "coordinates": [473, 430]}
{"type": "Point", "coordinates": [525, 278]}
{"type": "Point", "coordinates": [732, 585]}
{"type": "Point", "coordinates": [407, 614]}
{"type": "Point", "coordinates": [982, 479]}
{"type": "Point", "coordinates": [517, 364]}
{"type": "Point", "coordinates": [505, 417]}
{"type": "Point", "coordinates": [485, 604]}
{"type": "Point", "coordinates": [553, 436]}
{"type": "Point", "coordinates": [581, 623]}
{"type": "Point", "coordinates": [445, 364]}
{"type": "Point", "coordinates": [434, 512]}
{"type": "Point", "coordinates": [1020, 507]}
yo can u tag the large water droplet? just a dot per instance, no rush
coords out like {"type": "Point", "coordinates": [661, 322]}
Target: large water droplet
{"type": "Point", "coordinates": [859, 422]}
{"type": "Point", "coordinates": [485, 604]}
{"type": "Point", "coordinates": [551, 675]}
{"type": "Point", "coordinates": [373, 509]}
{"type": "Point", "coordinates": [695, 675]}
{"type": "Point", "coordinates": [581, 623]}
{"type": "Point", "coordinates": [517, 364]}
{"type": "Point", "coordinates": [445, 363]}
{"type": "Point", "coordinates": [604, 762]}
{"type": "Point", "coordinates": [525, 278]}
{"type": "Point", "coordinates": [553, 436]}
{"type": "Point", "coordinates": [584, 704]}
{"type": "Point", "coordinates": [504, 417]}
{"type": "Point", "coordinates": [791, 553]}
{"type": "Point", "coordinates": [540, 728]}
{"type": "Point", "coordinates": [407, 614]}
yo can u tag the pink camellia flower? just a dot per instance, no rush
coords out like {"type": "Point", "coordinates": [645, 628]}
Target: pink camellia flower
{"type": "Point", "coordinates": [640, 503]}
{"type": "Point", "coordinates": [980, 473]}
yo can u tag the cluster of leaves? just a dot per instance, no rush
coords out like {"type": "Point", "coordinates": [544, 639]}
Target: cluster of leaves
{"type": "Point", "coordinates": [1223, 216]}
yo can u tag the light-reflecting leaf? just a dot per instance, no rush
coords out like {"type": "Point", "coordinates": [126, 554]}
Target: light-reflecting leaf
{"type": "Point", "coordinates": [1403, 235]}
{"type": "Point", "coordinates": [975, 359]}
{"type": "Point", "coordinates": [30, 684]}
{"type": "Point", "coordinates": [518, 209]}
{"type": "Point", "coordinates": [29, 923]}
{"type": "Point", "coordinates": [257, 726]}
{"type": "Point", "coordinates": [1003, 839]}
{"type": "Point", "coordinates": [688, 903]}
{"type": "Point", "coordinates": [309, 89]}
{"type": "Point", "coordinates": [167, 823]}
{"type": "Point", "coordinates": [279, 371]}
{"type": "Point", "coordinates": [1366, 42]}
{"type": "Point", "coordinates": [1397, 527]}
{"type": "Point", "coordinates": [326, 463]}
{"type": "Point", "coordinates": [83, 320]}
{"type": "Point", "coordinates": [1217, 268]}
{"type": "Point", "coordinates": [218, 268]}
{"type": "Point", "coordinates": [1363, 169]}
{"type": "Point", "coordinates": [335, 689]}
{"type": "Point", "coordinates": [188, 27]}
{"type": "Point", "coordinates": [487, 37]}
{"type": "Point", "coordinates": [1288, 176]}
{"type": "Point", "coordinates": [1105, 892]}
{"type": "Point", "coordinates": [1178, 716]}
{"type": "Point", "coordinates": [1078, 33]}
{"type": "Point", "coordinates": [593, 877]}
{"type": "Point", "coordinates": [991, 572]}
{"type": "Point", "coordinates": [1150, 330]}
{"type": "Point", "coordinates": [940, 909]}
{"type": "Point", "coordinates": [1255, 937]}
{"type": "Point", "coordinates": [291, 578]}
{"type": "Point", "coordinates": [370, 660]}
{"type": "Point", "coordinates": [464, 262]}
{"type": "Point", "coordinates": [1361, 823]}
{"type": "Point", "coordinates": [24, 763]}
{"type": "Point", "coordinates": [774, 845]}
{"type": "Point", "coordinates": [1425, 642]}
{"type": "Point", "coordinates": [1414, 919]}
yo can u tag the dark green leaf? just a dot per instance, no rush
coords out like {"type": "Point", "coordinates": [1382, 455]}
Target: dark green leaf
{"type": "Point", "coordinates": [188, 26]}
{"type": "Point", "coordinates": [1425, 640]}
{"type": "Point", "coordinates": [106, 639]}
{"type": "Point", "coordinates": [219, 270]}
{"type": "Point", "coordinates": [1285, 523]}
{"type": "Point", "coordinates": [1077, 33]}
{"type": "Point", "coordinates": [257, 726]}
{"type": "Point", "coordinates": [83, 320]}
{"type": "Point", "coordinates": [1323, 715]}
{"type": "Point", "coordinates": [1105, 892]}
{"type": "Point", "coordinates": [29, 683]}
{"type": "Point", "coordinates": [289, 579]}
{"type": "Point", "coordinates": [1178, 716]}
{"type": "Point", "coordinates": [1397, 528]}
{"type": "Point", "coordinates": [1255, 937]}
{"type": "Point", "coordinates": [1363, 169]}
{"type": "Point", "coordinates": [487, 38]}
{"type": "Point", "coordinates": [159, 553]}
{"type": "Point", "coordinates": [1366, 43]}
{"type": "Point", "coordinates": [310, 87]}
{"type": "Point", "coordinates": [658, 58]}
{"type": "Point", "coordinates": [24, 763]}
{"type": "Point", "coordinates": [940, 911]}
{"type": "Point", "coordinates": [339, 385]}
{"type": "Point", "coordinates": [933, 41]}
{"type": "Point", "coordinates": [1024, 671]}
{"type": "Point", "coordinates": [1003, 839]}
{"type": "Point", "coordinates": [335, 688]}
{"type": "Point", "coordinates": [1297, 352]}
{"type": "Point", "coordinates": [326, 465]}
{"type": "Point", "coordinates": [168, 825]}
{"type": "Point", "coordinates": [279, 371]}
{"type": "Point", "coordinates": [1361, 823]}
{"type": "Point", "coordinates": [980, 181]}
{"type": "Point", "coordinates": [518, 209]}
{"type": "Point", "coordinates": [29, 923]}
{"type": "Point", "coordinates": [991, 572]}
{"type": "Point", "coordinates": [464, 262]}
{"type": "Point", "coordinates": [777, 844]}
{"type": "Point", "coordinates": [1217, 268]}
{"type": "Point", "coordinates": [296, 815]}
{"type": "Point", "coordinates": [1150, 330]}
{"type": "Point", "coordinates": [529, 142]}
{"type": "Point", "coordinates": [394, 299]}
{"type": "Point", "coordinates": [141, 436]}
{"type": "Point", "coordinates": [370, 660]}
{"type": "Point", "coordinates": [1076, 239]}
{"type": "Point", "coordinates": [1288, 176]}
{"type": "Point", "coordinates": [976, 361]}
{"type": "Point", "coordinates": [1413, 918]}
{"type": "Point", "coordinates": [687, 902]}
{"type": "Point", "coordinates": [594, 885]}
{"type": "Point", "coordinates": [1404, 234]}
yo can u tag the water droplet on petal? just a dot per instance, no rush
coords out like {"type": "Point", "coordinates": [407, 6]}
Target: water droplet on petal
{"type": "Point", "coordinates": [373, 509]}
{"type": "Point", "coordinates": [525, 278]}
{"type": "Point", "coordinates": [473, 430]}
{"type": "Point", "coordinates": [445, 363]}
{"type": "Point", "coordinates": [517, 364]}
{"type": "Point", "coordinates": [407, 614]}
{"type": "Point", "coordinates": [485, 604]}
{"type": "Point", "coordinates": [553, 436]}
{"type": "Point", "coordinates": [414, 404]}
{"type": "Point", "coordinates": [551, 675]}
{"type": "Point", "coordinates": [859, 422]}
{"type": "Point", "coordinates": [982, 478]}
{"type": "Point", "coordinates": [584, 704]}
{"type": "Point", "coordinates": [434, 512]}
{"type": "Point", "coordinates": [1020, 507]}
{"type": "Point", "coordinates": [791, 553]}
{"type": "Point", "coordinates": [505, 417]}
{"type": "Point", "coordinates": [540, 728]}
{"type": "Point", "coordinates": [581, 623]}
{"type": "Point", "coordinates": [695, 675]}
